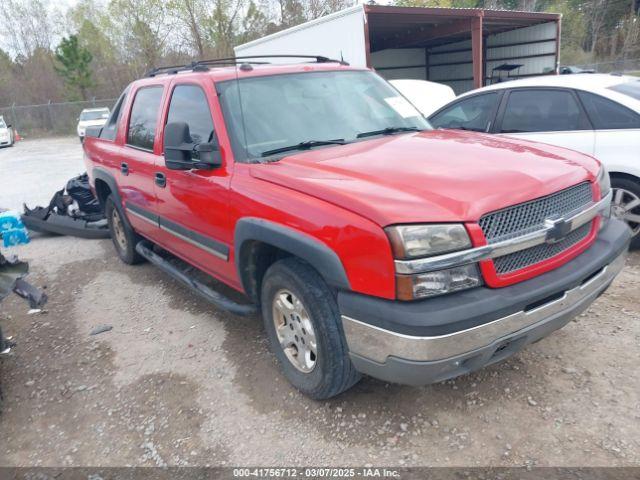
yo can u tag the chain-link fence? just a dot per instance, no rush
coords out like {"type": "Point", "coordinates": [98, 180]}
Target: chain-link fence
{"type": "Point", "coordinates": [627, 66]}
{"type": "Point", "coordinates": [47, 119]}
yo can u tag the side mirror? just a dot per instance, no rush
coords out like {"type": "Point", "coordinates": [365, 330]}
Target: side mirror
{"type": "Point", "coordinates": [180, 153]}
{"type": "Point", "coordinates": [8, 125]}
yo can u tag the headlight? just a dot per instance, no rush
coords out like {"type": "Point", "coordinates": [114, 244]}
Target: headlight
{"type": "Point", "coordinates": [416, 241]}
{"type": "Point", "coordinates": [412, 287]}
{"type": "Point", "coordinates": [413, 241]}
{"type": "Point", "coordinates": [604, 182]}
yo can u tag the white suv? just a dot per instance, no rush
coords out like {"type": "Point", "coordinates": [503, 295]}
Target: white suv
{"type": "Point", "coordinates": [6, 134]}
{"type": "Point", "coordinates": [596, 114]}
{"type": "Point", "coordinates": [91, 117]}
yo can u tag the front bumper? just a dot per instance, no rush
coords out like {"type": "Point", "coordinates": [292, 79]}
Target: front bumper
{"type": "Point", "coordinates": [429, 341]}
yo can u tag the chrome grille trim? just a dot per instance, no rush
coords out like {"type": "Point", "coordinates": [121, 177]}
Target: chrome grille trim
{"type": "Point", "coordinates": [529, 216]}
{"type": "Point", "coordinates": [524, 258]}
{"type": "Point", "coordinates": [504, 247]}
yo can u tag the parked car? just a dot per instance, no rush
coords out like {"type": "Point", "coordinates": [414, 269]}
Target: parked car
{"type": "Point", "coordinates": [595, 114]}
{"type": "Point", "coordinates": [368, 242]}
{"type": "Point", "coordinates": [6, 134]}
{"type": "Point", "coordinates": [91, 117]}
{"type": "Point", "coordinates": [426, 96]}
{"type": "Point", "coordinates": [572, 69]}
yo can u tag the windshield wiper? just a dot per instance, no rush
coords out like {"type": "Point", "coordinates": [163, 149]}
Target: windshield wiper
{"type": "Point", "coordinates": [388, 131]}
{"type": "Point", "coordinates": [304, 146]}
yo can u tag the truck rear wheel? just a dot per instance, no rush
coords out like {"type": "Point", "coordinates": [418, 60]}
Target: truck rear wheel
{"type": "Point", "coordinates": [303, 325]}
{"type": "Point", "coordinates": [123, 237]}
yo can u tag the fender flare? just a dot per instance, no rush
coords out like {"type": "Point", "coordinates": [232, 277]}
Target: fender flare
{"type": "Point", "coordinates": [303, 246]}
{"type": "Point", "coordinates": [106, 177]}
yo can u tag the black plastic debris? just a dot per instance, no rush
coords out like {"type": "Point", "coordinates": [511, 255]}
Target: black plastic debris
{"type": "Point", "coordinates": [36, 297]}
{"type": "Point", "coordinates": [12, 273]}
{"type": "Point", "coordinates": [73, 211]}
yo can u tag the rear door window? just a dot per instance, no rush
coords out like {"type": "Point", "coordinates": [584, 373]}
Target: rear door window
{"type": "Point", "coordinates": [473, 113]}
{"type": "Point", "coordinates": [540, 110]}
{"type": "Point", "coordinates": [606, 114]}
{"type": "Point", "coordinates": [189, 105]}
{"type": "Point", "coordinates": [144, 117]}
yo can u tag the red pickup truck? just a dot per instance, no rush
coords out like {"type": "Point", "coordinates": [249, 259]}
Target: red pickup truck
{"type": "Point", "coordinates": [369, 242]}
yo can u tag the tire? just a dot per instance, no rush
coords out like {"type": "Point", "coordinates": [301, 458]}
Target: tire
{"type": "Point", "coordinates": [123, 237]}
{"type": "Point", "coordinates": [332, 372]}
{"type": "Point", "coordinates": [621, 201]}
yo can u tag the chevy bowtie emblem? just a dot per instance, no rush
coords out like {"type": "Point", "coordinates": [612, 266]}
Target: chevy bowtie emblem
{"type": "Point", "coordinates": [558, 228]}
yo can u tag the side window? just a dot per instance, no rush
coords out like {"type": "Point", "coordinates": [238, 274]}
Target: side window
{"type": "Point", "coordinates": [189, 105]}
{"type": "Point", "coordinates": [542, 111]}
{"type": "Point", "coordinates": [144, 117]}
{"type": "Point", "coordinates": [606, 114]}
{"type": "Point", "coordinates": [474, 113]}
{"type": "Point", "coordinates": [110, 128]}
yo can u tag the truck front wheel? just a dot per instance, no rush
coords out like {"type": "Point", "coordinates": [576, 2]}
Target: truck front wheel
{"type": "Point", "coordinates": [303, 325]}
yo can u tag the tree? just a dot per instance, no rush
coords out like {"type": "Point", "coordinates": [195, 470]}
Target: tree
{"type": "Point", "coordinates": [74, 65]}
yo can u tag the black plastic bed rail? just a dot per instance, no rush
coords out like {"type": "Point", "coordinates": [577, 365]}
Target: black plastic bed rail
{"type": "Point", "coordinates": [145, 249]}
{"type": "Point", "coordinates": [203, 65]}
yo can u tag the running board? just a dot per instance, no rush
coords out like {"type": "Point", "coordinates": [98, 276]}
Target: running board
{"type": "Point", "coordinates": [145, 249]}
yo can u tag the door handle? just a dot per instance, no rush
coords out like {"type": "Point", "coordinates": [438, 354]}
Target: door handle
{"type": "Point", "coordinates": [124, 168]}
{"type": "Point", "coordinates": [161, 179]}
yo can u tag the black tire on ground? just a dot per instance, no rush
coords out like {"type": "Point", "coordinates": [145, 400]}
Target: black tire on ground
{"type": "Point", "coordinates": [633, 187]}
{"type": "Point", "coordinates": [333, 372]}
{"type": "Point", "coordinates": [123, 237]}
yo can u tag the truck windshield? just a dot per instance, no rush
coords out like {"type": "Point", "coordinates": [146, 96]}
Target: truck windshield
{"type": "Point", "coordinates": [2, 124]}
{"type": "Point", "coordinates": [268, 116]}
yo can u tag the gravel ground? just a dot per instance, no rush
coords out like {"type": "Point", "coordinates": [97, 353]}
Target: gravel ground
{"type": "Point", "coordinates": [177, 382]}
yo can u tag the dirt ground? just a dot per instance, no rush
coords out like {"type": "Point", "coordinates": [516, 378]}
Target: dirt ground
{"type": "Point", "coordinates": [177, 382]}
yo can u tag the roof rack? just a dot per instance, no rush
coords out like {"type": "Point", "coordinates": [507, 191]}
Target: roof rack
{"type": "Point", "coordinates": [203, 65]}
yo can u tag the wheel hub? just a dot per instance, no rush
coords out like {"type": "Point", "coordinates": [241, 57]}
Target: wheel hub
{"type": "Point", "coordinates": [626, 206]}
{"type": "Point", "coordinates": [295, 331]}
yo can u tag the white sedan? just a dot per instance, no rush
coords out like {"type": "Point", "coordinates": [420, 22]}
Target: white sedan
{"type": "Point", "coordinates": [596, 114]}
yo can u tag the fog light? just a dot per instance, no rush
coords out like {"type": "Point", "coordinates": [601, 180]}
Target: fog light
{"type": "Point", "coordinates": [431, 284]}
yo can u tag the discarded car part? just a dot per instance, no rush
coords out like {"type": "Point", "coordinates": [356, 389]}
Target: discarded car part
{"type": "Point", "coordinates": [144, 248]}
{"type": "Point", "coordinates": [36, 297]}
{"type": "Point", "coordinates": [76, 213]}
{"type": "Point", "coordinates": [12, 273]}
{"type": "Point", "coordinates": [11, 270]}
{"type": "Point", "coordinates": [62, 225]}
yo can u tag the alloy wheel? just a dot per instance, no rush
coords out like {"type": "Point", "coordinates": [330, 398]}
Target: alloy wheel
{"type": "Point", "coordinates": [626, 206]}
{"type": "Point", "coordinates": [118, 230]}
{"type": "Point", "coordinates": [295, 331]}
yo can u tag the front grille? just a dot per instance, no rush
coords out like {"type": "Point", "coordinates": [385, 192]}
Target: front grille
{"type": "Point", "coordinates": [530, 216]}
{"type": "Point", "coordinates": [539, 253]}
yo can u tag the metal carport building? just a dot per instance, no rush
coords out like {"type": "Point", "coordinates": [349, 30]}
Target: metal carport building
{"type": "Point", "coordinates": [458, 47]}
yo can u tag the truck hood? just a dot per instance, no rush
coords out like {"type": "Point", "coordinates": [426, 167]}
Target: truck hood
{"type": "Point", "coordinates": [432, 176]}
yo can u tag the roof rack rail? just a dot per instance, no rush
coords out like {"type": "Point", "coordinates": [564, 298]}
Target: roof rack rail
{"type": "Point", "coordinates": [202, 65]}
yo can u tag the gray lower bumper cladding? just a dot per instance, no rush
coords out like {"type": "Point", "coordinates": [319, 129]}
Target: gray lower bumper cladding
{"type": "Point", "coordinates": [422, 359]}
